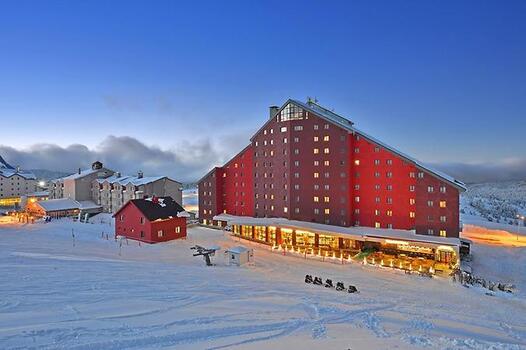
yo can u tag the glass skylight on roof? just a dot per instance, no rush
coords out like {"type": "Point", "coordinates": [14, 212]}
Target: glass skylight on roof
{"type": "Point", "coordinates": [291, 112]}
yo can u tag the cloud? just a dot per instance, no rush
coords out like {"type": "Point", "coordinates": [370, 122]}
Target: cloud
{"type": "Point", "coordinates": [500, 170]}
{"type": "Point", "coordinates": [187, 162]}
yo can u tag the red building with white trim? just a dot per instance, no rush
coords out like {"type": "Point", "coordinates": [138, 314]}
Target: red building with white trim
{"type": "Point", "coordinates": [151, 220]}
{"type": "Point", "coordinates": [307, 163]}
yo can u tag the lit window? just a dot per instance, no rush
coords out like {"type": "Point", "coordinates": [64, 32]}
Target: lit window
{"type": "Point", "coordinates": [298, 128]}
{"type": "Point", "coordinates": [377, 225]}
{"type": "Point", "coordinates": [411, 214]}
{"type": "Point", "coordinates": [420, 175]}
{"type": "Point", "coordinates": [316, 211]}
{"type": "Point", "coordinates": [283, 129]}
{"type": "Point", "coordinates": [316, 127]}
{"type": "Point", "coordinates": [285, 209]}
{"type": "Point", "coordinates": [430, 189]}
{"type": "Point", "coordinates": [326, 150]}
{"type": "Point", "coordinates": [411, 201]}
{"type": "Point", "coordinates": [389, 213]}
{"type": "Point", "coordinates": [377, 162]}
{"type": "Point", "coordinates": [412, 188]}
{"type": "Point", "coordinates": [443, 233]}
{"type": "Point", "coordinates": [326, 199]}
{"type": "Point", "coordinates": [284, 140]}
{"type": "Point", "coordinates": [443, 218]}
{"type": "Point", "coordinates": [326, 163]}
{"type": "Point", "coordinates": [327, 211]}
{"type": "Point", "coordinates": [316, 199]}
{"type": "Point", "coordinates": [442, 204]}
{"type": "Point", "coordinates": [316, 138]}
{"type": "Point", "coordinates": [178, 229]}
{"type": "Point", "coordinates": [326, 126]}
{"type": "Point", "coordinates": [430, 203]}
{"type": "Point", "coordinates": [430, 231]}
{"type": "Point", "coordinates": [389, 162]}
{"type": "Point", "coordinates": [442, 189]}
{"type": "Point", "coordinates": [376, 212]}
{"type": "Point", "coordinates": [316, 151]}
{"type": "Point", "coordinates": [316, 163]}
{"type": "Point", "coordinates": [357, 162]}
{"type": "Point", "coordinates": [357, 199]}
{"type": "Point", "coordinates": [326, 138]}
{"type": "Point", "coordinates": [316, 175]}
{"type": "Point", "coordinates": [160, 233]}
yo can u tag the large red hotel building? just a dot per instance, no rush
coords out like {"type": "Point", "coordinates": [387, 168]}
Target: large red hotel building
{"type": "Point", "coordinates": [310, 178]}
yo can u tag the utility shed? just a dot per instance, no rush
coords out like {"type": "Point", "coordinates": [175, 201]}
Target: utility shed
{"type": "Point", "coordinates": [239, 255]}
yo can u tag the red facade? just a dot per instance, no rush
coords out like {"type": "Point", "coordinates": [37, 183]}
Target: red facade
{"type": "Point", "coordinates": [308, 164]}
{"type": "Point", "coordinates": [130, 222]}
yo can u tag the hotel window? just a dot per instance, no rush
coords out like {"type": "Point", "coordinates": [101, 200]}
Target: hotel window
{"type": "Point", "coordinates": [430, 218]}
{"type": "Point", "coordinates": [316, 138]}
{"type": "Point", "coordinates": [271, 153]}
{"type": "Point", "coordinates": [411, 201]}
{"type": "Point", "coordinates": [376, 212]}
{"type": "Point", "coordinates": [316, 211]}
{"type": "Point", "coordinates": [296, 175]}
{"type": "Point", "coordinates": [389, 174]}
{"type": "Point", "coordinates": [296, 163]}
{"type": "Point", "coordinates": [296, 151]}
{"type": "Point", "coordinates": [315, 127]}
{"type": "Point", "coordinates": [443, 218]}
{"type": "Point", "coordinates": [377, 162]}
{"type": "Point", "coordinates": [272, 207]}
{"type": "Point", "coordinates": [356, 150]}
{"type": "Point", "coordinates": [376, 174]}
{"type": "Point", "coordinates": [443, 233]}
{"type": "Point", "coordinates": [430, 231]}
{"type": "Point", "coordinates": [326, 163]}
{"type": "Point", "coordinates": [284, 140]}
{"type": "Point", "coordinates": [122, 218]}
{"type": "Point", "coordinates": [316, 150]}
{"type": "Point", "coordinates": [272, 141]}
{"type": "Point", "coordinates": [297, 210]}
{"type": "Point", "coordinates": [326, 126]}
{"type": "Point", "coordinates": [357, 199]}
{"type": "Point", "coordinates": [412, 188]}
{"type": "Point", "coordinates": [298, 127]}
{"type": "Point", "coordinates": [283, 129]}
{"type": "Point", "coordinates": [178, 229]}
{"type": "Point", "coordinates": [389, 162]}
{"type": "Point", "coordinates": [411, 214]}
{"type": "Point", "coordinates": [316, 163]}
{"type": "Point", "coordinates": [389, 200]}
{"type": "Point", "coordinates": [264, 132]}
{"type": "Point", "coordinates": [326, 150]}
{"type": "Point", "coordinates": [326, 138]}
{"type": "Point", "coordinates": [326, 187]}
{"type": "Point", "coordinates": [389, 213]}
{"type": "Point", "coordinates": [285, 209]}
{"type": "Point", "coordinates": [377, 187]}
{"type": "Point", "coordinates": [142, 220]}
{"type": "Point", "coordinates": [429, 203]}
{"type": "Point", "coordinates": [377, 149]}
{"type": "Point", "coordinates": [326, 199]}
{"type": "Point", "coordinates": [327, 211]}
{"type": "Point", "coordinates": [296, 187]}
{"type": "Point", "coordinates": [442, 189]}
{"type": "Point", "coordinates": [356, 187]}
{"type": "Point", "coordinates": [256, 144]}
{"type": "Point", "coordinates": [357, 211]}
{"type": "Point", "coordinates": [316, 175]}
{"type": "Point", "coordinates": [377, 225]}
{"type": "Point", "coordinates": [326, 175]}
{"type": "Point", "coordinates": [296, 139]}
{"type": "Point", "coordinates": [442, 204]}
{"type": "Point", "coordinates": [271, 131]}
{"type": "Point", "coordinates": [412, 174]}
{"type": "Point", "coordinates": [430, 189]}
{"type": "Point", "coordinates": [420, 175]}
{"type": "Point", "coordinates": [377, 199]}
{"type": "Point", "coordinates": [160, 233]}
{"type": "Point", "coordinates": [316, 187]}
{"type": "Point", "coordinates": [389, 187]}
{"type": "Point", "coordinates": [316, 199]}
{"type": "Point", "coordinates": [357, 162]}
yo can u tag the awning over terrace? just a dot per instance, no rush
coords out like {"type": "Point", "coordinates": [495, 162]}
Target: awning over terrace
{"type": "Point", "coordinates": [381, 235]}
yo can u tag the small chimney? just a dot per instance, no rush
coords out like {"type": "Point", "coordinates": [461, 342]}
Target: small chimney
{"type": "Point", "coordinates": [79, 170]}
{"type": "Point", "coordinates": [273, 111]}
{"type": "Point", "coordinates": [18, 168]}
{"type": "Point", "coordinates": [117, 174]}
{"type": "Point", "coordinates": [140, 174]}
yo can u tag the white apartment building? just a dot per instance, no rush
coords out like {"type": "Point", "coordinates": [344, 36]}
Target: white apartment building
{"type": "Point", "coordinates": [14, 183]}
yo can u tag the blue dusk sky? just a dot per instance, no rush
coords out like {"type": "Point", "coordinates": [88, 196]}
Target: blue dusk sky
{"type": "Point", "coordinates": [178, 87]}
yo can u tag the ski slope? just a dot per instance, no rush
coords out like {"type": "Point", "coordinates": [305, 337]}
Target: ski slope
{"type": "Point", "coordinates": [91, 293]}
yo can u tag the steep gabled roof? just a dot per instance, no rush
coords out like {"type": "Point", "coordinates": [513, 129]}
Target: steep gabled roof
{"type": "Point", "coordinates": [159, 209]}
{"type": "Point", "coordinates": [346, 124]}
{"type": "Point", "coordinates": [4, 164]}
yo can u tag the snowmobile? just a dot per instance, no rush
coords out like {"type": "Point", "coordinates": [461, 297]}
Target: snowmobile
{"type": "Point", "coordinates": [352, 289]}
{"type": "Point", "coordinates": [340, 286]}
{"type": "Point", "coordinates": [308, 279]}
{"type": "Point", "coordinates": [318, 281]}
{"type": "Point", "coordinates": [328, 283]}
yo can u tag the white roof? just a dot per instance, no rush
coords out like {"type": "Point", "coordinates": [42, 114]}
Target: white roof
{"type": "Point", "coordinates": [356, 232]}
{"type": "Point", "coordinates": [66, 204]}
{"type": "Point", "coordinates": [83, 173]}
{"type": "Point", "coordinates": [134, 180]}
{"type": "Point", "coordinates": [237, 249]}
{"type": "Point", "coordinates": [11, 172]}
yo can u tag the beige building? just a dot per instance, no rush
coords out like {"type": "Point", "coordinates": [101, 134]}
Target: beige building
{"type": "Point", "coordinates": [113, 192]}
{"type": "Point", "coordinates": [14, 183]}
{"type": "Point", "coordinates": [110, 190]}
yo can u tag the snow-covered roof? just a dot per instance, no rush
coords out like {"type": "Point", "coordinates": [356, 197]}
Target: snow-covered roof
{"type": "Point", "coordinates": [12, 172]}
{"type": "Point", "coordinates": [66, 204]}
{"type": "Point", "coordinates": [357, 232]}
{"type": "Point", "coordinates": [82, 173]}
{"type": "Point", "coordinates": [134, 180]}
{"type": "Point", "coordinates": [237, 249]}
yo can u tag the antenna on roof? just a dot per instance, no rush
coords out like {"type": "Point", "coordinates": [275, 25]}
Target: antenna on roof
{"type": "Point", "coordinates": [311, 100]}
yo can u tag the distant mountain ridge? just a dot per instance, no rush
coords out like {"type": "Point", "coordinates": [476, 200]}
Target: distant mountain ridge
{"type": "Point", "coordinates": [47, 175]}
{"type": "Point", "coordinates": [4, 164]}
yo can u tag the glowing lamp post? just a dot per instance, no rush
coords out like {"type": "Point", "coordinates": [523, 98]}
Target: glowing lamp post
{"type": "Point", "coordinates": [519, 217]}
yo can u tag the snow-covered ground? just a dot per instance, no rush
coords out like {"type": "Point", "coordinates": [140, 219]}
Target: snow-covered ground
{"type": "Point", "coordinates": [89, 293]}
